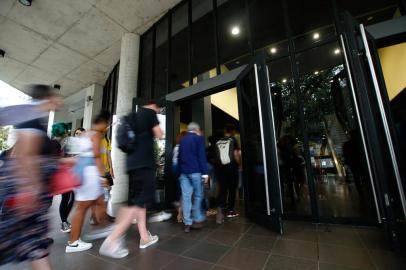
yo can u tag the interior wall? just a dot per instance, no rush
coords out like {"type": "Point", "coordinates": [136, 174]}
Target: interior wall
{"type": "Point", "coordinates": [393, 61]}
{"type": "Point", "coordinates": [227, 101]}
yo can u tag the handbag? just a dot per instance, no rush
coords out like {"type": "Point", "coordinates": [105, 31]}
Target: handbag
{"type": "Point", "coordinates": [63, 180]}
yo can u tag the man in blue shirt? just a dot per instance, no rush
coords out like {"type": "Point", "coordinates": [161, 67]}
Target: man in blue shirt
{"type": "Point", "coordinates": [193, 172]}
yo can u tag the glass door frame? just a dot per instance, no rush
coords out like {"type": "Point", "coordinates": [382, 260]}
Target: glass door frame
{"type": "Point", "coordinates": [274, 208]}
{"type": "Point", "coordinates": [368, 81]}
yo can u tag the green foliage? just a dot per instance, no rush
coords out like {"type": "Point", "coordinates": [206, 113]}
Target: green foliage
{"type": "Point", "coordinates": [4, 132]}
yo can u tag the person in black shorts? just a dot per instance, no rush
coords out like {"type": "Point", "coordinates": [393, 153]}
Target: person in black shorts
{"type": "Point", "coordinates": [141, 168]}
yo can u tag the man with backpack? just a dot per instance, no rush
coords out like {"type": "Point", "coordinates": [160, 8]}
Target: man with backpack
{"type": "Point", "coordinates": [229, 160]}
{"type": "Point", "coordinates": [135, 137]}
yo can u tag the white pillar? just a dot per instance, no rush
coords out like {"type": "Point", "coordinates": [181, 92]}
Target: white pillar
{"type": "Point", "coordinates": [127, 90]}
{"type": "Point", "coordinates": [93, 104]}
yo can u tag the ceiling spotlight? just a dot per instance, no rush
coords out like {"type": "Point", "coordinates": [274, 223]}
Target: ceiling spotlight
{"type": "Point", "coordinates": [2, 53]}
{"type": "Point", "coordinates": [370, 18]}
{"type": "Point", "coordinates": [337, 51]}
{"type": "Point", "coordinates": [316, 72]}
{"type": "Point", "coordinates": [235, 31]}
{"type": "Point", "coordinates": [273, 50]}
{"type": "Point", "coordinates": [284, 80]}
{"type": "Point", "coordinates": [25, 2]}
{"type": "Point", "coordinates": [316, 36]}
{"type": "Point", "coordinates": [57, 86]}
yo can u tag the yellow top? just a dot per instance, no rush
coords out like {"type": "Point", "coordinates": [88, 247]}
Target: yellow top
{"type": "Point", "coordinates": [105, 148]}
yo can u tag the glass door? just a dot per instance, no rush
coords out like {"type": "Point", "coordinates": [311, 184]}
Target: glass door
{"type": "Point", "coordinates": [259, 148]}
{"type": "Point", "coordinates": [367, 82]}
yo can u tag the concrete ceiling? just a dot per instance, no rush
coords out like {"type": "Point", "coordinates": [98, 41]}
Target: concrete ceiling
{"type": "Point", "coordinates": [74, 43]}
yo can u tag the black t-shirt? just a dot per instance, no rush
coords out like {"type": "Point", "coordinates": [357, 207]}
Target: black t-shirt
{"type": "Point", "coordinates": [143, 156]}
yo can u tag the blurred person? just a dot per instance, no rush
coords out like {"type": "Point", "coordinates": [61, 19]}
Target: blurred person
{"type": "Point", "coordinates": [229, 162]}
{"type": "Point", "coordinates": [175, 170]}
{"type": "Point", "coordinates": [60, 135]}
{"type": "Point", "coordinates": [79, 132]}
{"type": "Point", "coordinates": [193, 172]}
{"type": "Point", "coordinates": [141, 167]}
{"type": "Point", "coordinates": [90, 192]}
{"type": "Point", "coordinates": [24, 188]}
{"type": "Point", "coordinates": [212, 165]}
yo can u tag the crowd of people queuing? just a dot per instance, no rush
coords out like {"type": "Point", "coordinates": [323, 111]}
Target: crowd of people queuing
{"type": "Point", "coordinates": [207, 182]}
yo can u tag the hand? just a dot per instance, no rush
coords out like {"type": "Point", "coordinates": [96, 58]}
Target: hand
{"type": "Point", "coordinates": [205, 179]}
{"type": "Point", "coordinates": [104, 182]}
{"type": "Point", "coordinates": [112, 173]}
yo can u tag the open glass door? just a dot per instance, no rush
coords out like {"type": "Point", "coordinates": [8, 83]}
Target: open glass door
{"type": "Point", "coordinates": [259, 153]}
{"type": "Point", "coordinates": [367, 80]}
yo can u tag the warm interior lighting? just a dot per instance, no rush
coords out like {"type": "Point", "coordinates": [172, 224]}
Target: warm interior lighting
{"type": "Point", "coordinates": [273, 50]}
{"type": "Point", "coordinates": [284, 80]}
{"type": "Point", "coordinates": [337, 51]}
{"type": "Point", "coordinates": [235, 31]}
{"type": "Point", "coordinates": [316, 36]}
{"type": "Point", "coordinates": [316, 72]}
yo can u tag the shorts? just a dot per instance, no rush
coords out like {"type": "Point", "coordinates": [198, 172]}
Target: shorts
{"type": "Point", "coordinates": [141, 188]}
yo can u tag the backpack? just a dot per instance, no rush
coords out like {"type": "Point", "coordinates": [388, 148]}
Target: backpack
{"type": "Point", "coordinates": [225, 150]}
{"type": "Point", "coordinates": [126, 136]}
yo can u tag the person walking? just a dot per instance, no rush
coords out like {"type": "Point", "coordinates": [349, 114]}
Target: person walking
{"type": "Point", "coordinates": [90, 192]}
{"type": "Point", "coordinates": [141, 168]}
{"type": "Point", "coordinates": [193, 172]}
{"type": "Point", "coordinates": [24, 186]}
{"type": "Point", "coordinates": [229, 161]}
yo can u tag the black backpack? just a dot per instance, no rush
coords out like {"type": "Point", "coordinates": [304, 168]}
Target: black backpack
{"type": "Point", "coordinates": [126, 136]}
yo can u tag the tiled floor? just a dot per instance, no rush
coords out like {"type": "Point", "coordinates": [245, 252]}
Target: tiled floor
{"type": "Point", "coordinates": [239, 244]}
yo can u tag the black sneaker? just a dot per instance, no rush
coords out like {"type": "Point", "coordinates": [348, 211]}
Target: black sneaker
{"type": "Point", "coordinates": [65, 227]}
{"type": "Point", "coordinates": [187, 228]}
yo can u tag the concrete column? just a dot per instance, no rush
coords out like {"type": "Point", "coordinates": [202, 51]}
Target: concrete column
{"type": "Point", "coordinates": [93, 104]}
{"type": "Point", "coordinates": [127, 90]}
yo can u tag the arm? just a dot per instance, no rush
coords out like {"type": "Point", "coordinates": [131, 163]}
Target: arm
{"type": "Point", "coordinates": [158, 133]}
{"type": "Point", "coordinates": [96, 140]}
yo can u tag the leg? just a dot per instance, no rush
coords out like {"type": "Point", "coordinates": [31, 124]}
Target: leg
{"type": "Point", "coordinates": [70, 203]}
{"type": "Point", "coordinates": [41, 264]}
{"type": "Point", "coordinates": [64, 207]}
{"type": "Point", "coordinates": [78, 218]}
{"type": "Point", "coordinates": [187, 191]}
{"type": "Point", "coordinates": [124, 221]}
{"type": "Point", "coordinates": [232, 184]}
{"type": "Point", "coordinates": [93, 216]}
{"type": "Point", "coordinates": [100, 210]}
{"type": "Point", "coordinates": [198, 214]}
{"type": "Point", "coordinates": [222, 194]}
{"type": "Point", "coordinates": [141, 216]}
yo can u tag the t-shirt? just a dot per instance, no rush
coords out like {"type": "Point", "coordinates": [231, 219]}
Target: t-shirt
{"type": "Point", "coordinates": [143, 156]}
{"type": "Point", "coordinates": [105, 148]}
{"type": "Point", "coordinates": [225, 150]}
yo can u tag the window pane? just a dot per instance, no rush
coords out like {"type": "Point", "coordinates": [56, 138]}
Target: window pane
{"type": "Point", "coordinates": [203, 44]}
{"type": "Point", "coordinates": [233, 34]}
{"type": "Point", "coordinates": [268, 27]}
{"type": "Point", "coordinates": [372, 12]}
{"type": "Point", "coordinates": [161, 59]}
{"type": "Point", "coordinates": [179, 50]}
{"type": "Point", "coordinates": [311, 21]}
{"type": "Point", "coordinates": [289, 134]}
{"type": "Point", "coordinates": [146, 66]}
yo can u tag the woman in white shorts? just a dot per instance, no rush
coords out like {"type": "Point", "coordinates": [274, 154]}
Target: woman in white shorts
{"type": "Point", "coordinates": [90, 169]}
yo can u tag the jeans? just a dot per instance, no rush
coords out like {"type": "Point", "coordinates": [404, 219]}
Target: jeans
{"type": "Point", "coordinates": [192, 184]}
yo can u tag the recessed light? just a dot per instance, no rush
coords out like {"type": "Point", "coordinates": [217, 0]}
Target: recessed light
{"type": "Point", "coordinates": [273, 50]}
{"type": "Point", "coordinates": [284, 80]}
{"type": "Point", "coordinates": [370, 18]}
{"type": "Point", "coordinates": [316, 72]}
{"type": "Point", "coordinates": [235, 31]}
{"type": "Point", "coordinates": [316, 36]}
{"type": "Point", "coordinates": [25, 2]}
{"type": "Point", "coordinates": [337, 51]}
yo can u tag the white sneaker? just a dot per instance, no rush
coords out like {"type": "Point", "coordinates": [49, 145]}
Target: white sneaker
{"type": "Point", "coordinates": [78, 246]}
{"type": "Point", "coordinates": [100, 233]}
{"type": "Point", "coordinates": [159, 217]}
{"type": "Point", "coordinates": [115, 251]}
{"type": "Point", "coordinates": [153, 239]}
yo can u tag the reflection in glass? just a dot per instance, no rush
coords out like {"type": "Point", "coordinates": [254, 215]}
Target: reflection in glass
{"type": "Point", "coordinates": [337, 156]}
{"type": "Point", "coordinates": [233, 46]}
{"type": "Point", "coordinates": [146, 66]}
{"type": "Point", "coordinates": [203, 43]}
{"type": "Point", "coordinates": [179, 48]}
{"type": "Point", "coordinates": [252, 146]}
{"type": "Point", "coordinates": [161, 59]}
{"type": "Point", "coordinates": [294, 184]}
